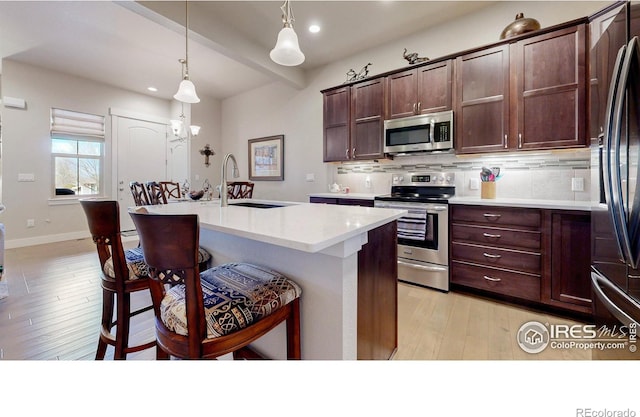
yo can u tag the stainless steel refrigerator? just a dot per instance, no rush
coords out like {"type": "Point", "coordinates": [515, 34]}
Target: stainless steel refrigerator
{"type": "Point", "coordinates": [615, 133]}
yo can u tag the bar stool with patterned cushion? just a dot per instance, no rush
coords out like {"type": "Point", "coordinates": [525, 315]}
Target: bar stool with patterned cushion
{"type": "Point", "coordinates": [123, 273]}
{"type": "Point", "coordinates": [221, 310]}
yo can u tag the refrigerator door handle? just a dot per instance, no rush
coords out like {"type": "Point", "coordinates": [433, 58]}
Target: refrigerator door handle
{"type": "Point", "coordinates": [611, 136]}
{"type": "Point", "coordinates": [598, 281]}
{"type": "Point", "coordinates": [619, 212]}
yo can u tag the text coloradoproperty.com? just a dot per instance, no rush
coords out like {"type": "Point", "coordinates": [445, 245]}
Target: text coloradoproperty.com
{"type": "Point", "coordinates": [590, 412]}
{"type": "Point", "coordinates": [588, 345]}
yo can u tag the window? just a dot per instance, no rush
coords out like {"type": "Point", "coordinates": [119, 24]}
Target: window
{"type": "Point", "coordinates": [77, 152]}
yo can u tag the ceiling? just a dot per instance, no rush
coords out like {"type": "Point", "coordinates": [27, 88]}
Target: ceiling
{"type": "Point", "coordinates": [134, 45]}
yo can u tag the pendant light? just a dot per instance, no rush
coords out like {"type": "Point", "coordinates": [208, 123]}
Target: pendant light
{"type": "Point", "coordinates": [186, 91]}
{"type": "Point", "coordinates": [287, 51]}
{"type": "Point", "coordinates": [180, 129]}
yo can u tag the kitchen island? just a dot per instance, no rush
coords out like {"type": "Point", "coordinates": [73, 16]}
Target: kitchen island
{"type": "Point", "coordinates": [343, 258]}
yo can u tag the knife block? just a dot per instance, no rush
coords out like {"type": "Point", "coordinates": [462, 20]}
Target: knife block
{"type": "Point", "coordinates": [488, 189]}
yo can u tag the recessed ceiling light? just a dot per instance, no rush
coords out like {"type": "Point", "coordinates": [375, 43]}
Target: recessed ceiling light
{"type": "Point", "coordinates": [314, 28]}
{"type": "Point", "coordinates": [152, 89]}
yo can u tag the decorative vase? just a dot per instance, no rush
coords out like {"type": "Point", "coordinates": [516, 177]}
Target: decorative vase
{"type": "Point", "coordinates": [519, 26]}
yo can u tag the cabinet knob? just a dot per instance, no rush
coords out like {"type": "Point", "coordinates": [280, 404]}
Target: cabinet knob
{"type": "Point", "coordinates": [346, 153]}
{"type": "Point", "coordinates": [353, 153]}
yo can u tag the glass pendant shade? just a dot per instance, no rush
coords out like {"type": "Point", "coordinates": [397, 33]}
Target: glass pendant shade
{"type": "Point", "coordinates": [287, 51]}
{"type": "Point", "coordinates": [195, 129]}
{"type": "Point", "coordinates": [187, 92]}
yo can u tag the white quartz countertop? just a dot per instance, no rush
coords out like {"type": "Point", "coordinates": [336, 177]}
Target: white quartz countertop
{"type": "Point", "coordinates": [302, 226]}
{"type": "Point", "coordinates": [524, 203]}
{"type": "Point", "coordinates": [357, 196]}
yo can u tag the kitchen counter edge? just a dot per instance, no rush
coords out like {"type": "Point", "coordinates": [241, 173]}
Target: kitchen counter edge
{"type": "Point", "coordinates": [524, 203]}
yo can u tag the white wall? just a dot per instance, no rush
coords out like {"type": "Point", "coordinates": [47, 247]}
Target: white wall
{"type": "Point", "coordinates": [27, 146]}
{"type": "Point", "coordinates": [279, 109]}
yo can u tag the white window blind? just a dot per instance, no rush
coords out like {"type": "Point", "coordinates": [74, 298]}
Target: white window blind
{"type": "Point", "coordinates": [71, 123]}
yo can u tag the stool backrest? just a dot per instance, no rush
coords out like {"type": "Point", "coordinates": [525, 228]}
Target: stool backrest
{"type": "Point", "coordinates": [170, 190]}
{"type": "Point", "coordinates": [170, 247]}
{"type": "Point", "coordinates": [240, 189]}
{"type": "Point", "coordinates": [156, 196]}
{"type": "Point", "coordinates": [103, 218]}
{"type": "Point", "coordinates": [139, 193]}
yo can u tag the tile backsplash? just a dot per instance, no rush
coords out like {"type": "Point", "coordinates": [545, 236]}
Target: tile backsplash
{"type": "Point", "coordinates": [530, 175]}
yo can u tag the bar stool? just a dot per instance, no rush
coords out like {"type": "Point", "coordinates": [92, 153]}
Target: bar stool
{"type": "Point", "coordinates": [123, 273]}
{"type": "Point", "coordinates": [221, 310]}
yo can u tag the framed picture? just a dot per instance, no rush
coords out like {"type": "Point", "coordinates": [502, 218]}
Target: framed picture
{"type": "Point", "coordinates": [266, 158]}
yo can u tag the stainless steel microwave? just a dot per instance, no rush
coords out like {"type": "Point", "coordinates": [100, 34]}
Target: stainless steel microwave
{"type": "Point", "coordinates": [421, 133]}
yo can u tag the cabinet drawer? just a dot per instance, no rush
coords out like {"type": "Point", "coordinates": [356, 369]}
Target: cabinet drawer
{"type": "Point", "coordinates": [509, 283]}
{"type": "Point", "coordinates": [498, 258]}
{"type": "Point", "coordinates": [501, 216]}
{"type": "Point", "coordinates": [495, 236]}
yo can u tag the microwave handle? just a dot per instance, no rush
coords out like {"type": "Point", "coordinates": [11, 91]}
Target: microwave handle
{"type": "Point", "coordinates": [432, 127]}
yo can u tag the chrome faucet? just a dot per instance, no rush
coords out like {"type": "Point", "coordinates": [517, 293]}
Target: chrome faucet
{"type": "Point", "coordinates": [223, 183]}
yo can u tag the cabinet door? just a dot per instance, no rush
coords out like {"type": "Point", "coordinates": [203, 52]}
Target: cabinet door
{"type": "Point", "coordinates": [482, 101]}
{"type": "Point", "coordinates": [434, 87]}
{"type": "Point", "coordinates": [550, 89]}
{"type": "Point", "coordinates": [570, 255]}
{"type": "Point", "coordinates": [402, 94]}
{"type": "Point", "coordinates": [337, 124]}
{"type": "Point", "coordinates": [367, 118]}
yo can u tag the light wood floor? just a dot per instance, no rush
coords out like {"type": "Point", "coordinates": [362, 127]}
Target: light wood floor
{"type": "Point", "coordinates": [53, 312]}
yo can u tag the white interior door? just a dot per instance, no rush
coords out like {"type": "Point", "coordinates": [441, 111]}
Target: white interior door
{"type": "Point", "coordinates": [141, 156]}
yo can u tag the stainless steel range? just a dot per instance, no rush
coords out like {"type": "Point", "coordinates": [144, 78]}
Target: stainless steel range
{"type": "Point", "coordinates": [423, 234]}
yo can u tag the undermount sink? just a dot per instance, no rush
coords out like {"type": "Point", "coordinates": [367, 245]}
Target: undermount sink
{"type": "Point", "coordinates": [255, 205]}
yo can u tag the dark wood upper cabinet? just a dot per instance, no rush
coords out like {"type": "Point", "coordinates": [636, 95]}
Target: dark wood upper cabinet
{"type": "Point", "coordinates": [367, 107]}
{"type": "Point", "coordinates": [550, 89]}
{"type": "Point", "coordinates": [337, 124]}
{"type": "Point", "coordinates": [482, 101]}
{"type": "Point", "coordinates": [426, 89]}
{"type": "Point", "coordinates": [529, 94]}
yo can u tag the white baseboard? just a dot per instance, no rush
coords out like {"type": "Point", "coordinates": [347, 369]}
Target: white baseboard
{"type": "Point", "coordinates": [40, 240]}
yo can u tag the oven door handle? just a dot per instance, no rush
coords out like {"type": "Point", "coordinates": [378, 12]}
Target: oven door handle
{"type": "Point", "coordinates": [424, 267]}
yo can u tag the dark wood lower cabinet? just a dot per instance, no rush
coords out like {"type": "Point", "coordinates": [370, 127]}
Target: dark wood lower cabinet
{"type": "Point", "coordinates": [566, 283]}
{"type": "Point", "coordinates": [378, 294]}
{"type": "Point", "coordinates": [535, 257]}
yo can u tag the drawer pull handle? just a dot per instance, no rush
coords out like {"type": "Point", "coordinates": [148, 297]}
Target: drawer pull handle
{"type": "Point", "coordinates": [491, 236]}
{"type": "Point", "coordinates": [492, 279]}
{"type": "Point", "coordinates": [488, 255]}
{"type": "Point", "coordinates": [492, 216]}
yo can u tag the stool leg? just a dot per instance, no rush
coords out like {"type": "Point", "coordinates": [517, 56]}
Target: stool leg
{"type": "Point", "coordinates": [122, 320]}
{"type": "Point", "coordinates": [107, 316]}
{"type": "Point", "coordinates": [293, 331]}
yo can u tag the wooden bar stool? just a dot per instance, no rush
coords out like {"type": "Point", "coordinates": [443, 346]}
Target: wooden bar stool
{"type": "Point", "coordinates": [123, 273]}
{"type": "Point", "coordinates": [218, 311]}
{"type": "Point", "coordinates": [240, 189]}
{"type": "Point", "coordinates": [139, 193]}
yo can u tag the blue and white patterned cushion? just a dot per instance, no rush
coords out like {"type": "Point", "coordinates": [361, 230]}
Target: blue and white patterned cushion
{"type": "Point", "coordinates": [135, 263]}
{"type": "Point", "coordinates": [138, 267]}
{"type": "Point", "coordinates": [235, 296]}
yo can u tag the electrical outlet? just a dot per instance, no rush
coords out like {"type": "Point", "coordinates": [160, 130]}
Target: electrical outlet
{"type": "Point", "coordinates": [31, 223]}
{"type": "Point", "coordinates": [311, 177]}
{"type": "Point", "coordinates": [367, 182]}
{"type": "Point", "coordinates": [474, 183]}
{"type": "Point", "coordinates": [577, 184]}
